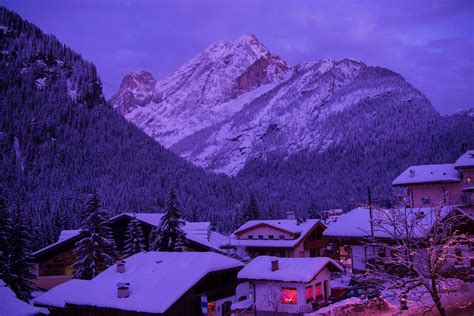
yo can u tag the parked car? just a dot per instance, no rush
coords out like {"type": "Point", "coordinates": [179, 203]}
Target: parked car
{"type": "Point", "coordinates": [363, 292]}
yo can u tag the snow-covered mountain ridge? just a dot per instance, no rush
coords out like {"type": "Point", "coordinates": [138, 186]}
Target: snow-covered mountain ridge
{"type": "Point", "coordinates": [237, 101]}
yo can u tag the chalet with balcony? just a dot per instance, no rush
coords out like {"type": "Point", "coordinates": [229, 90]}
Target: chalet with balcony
{"type": "Point", "coordinates": [53, 264]}
{"type": "Point", "coordinates": [451, 183]}
{"type": "Point", "coordinates": [151, 283]}
{"type": "Point", "coordinates": [289, 237]}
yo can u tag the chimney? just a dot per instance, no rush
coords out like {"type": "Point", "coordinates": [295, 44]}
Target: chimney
{"type": "Point", "coordinates": [274, 265]}
{"type": "Point", "coordinates": [290, 215]}
{"type": "Point", "coordinates": [123, 290]}
{"type": "Point", "coordinates": [412, 173]}
{"type": "Point", "coordinates": [121, 266]}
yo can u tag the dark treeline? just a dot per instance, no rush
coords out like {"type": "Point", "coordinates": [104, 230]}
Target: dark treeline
{"type": "Point", "coordinates": [59, 141]}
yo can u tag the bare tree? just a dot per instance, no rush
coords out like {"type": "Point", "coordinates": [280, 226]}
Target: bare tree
{"type": "Point", "coordinates": [272, 297]}
{"type": "Point", "coordinates": [411, 248]}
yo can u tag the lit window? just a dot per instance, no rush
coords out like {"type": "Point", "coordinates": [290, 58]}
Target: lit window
{"type": "Point", "coordinates": [309, 294]}
{"type": "Point", "coordinates": [319, 291]}
{"type": "Point", "coordinates": [282, 236]}
{"type": "Point", "coordinates": [271, 237]}
{"type": "Point", "coordinates": [288, 295]}
{"type": "Point", "coordinates": [260, 236]}
{"type": "Point", "coordinates": [250, 236]}
{"type": "Point", "coordinates": [468, 180]}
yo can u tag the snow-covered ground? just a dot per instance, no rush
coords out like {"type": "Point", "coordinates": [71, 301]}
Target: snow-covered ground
{"type": "Point", "coordinates": [459, 301]}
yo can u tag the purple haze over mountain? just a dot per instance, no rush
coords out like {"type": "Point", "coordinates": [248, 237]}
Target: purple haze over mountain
{"type": "Point", "coordinates": [431, 43]}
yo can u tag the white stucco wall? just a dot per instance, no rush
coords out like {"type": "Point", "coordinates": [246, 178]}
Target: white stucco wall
{"type": "Point", "coordinates": [268, 292]}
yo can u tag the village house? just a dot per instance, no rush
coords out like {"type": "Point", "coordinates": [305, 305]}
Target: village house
{"type": "Point", "coordinates": [351, 233]}
{"type": "Point", "coordinates": [288, 286]}
{"type": "Point", "coordinates": [53, 263]}
{"type": "Point", "coordinates": [289, 238]}
{"type": "Point", "coordinates": [152, 283]}
{"type": "Point", "coordinates": [443, 183]}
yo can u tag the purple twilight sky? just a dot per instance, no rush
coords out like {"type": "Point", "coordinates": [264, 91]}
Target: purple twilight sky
{"type": "Point", "coordinates": [430, 43]}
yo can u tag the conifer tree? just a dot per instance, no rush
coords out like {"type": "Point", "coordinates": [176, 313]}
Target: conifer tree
{"type": "Point", "coordinates": [19, 262]}
{"type": "Point", "coordinates": [4, 217]}
{"type": "Point", "coordinates": [134, 243]}
{"type": "Point", "coordinates": [169, 235]}
{"type": "Point", "coordinates": [96, 251]}
{"type": "Point", "coordinates": [250, 210]}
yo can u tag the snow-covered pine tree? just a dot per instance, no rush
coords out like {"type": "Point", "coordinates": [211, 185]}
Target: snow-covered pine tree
{"type": "Point", "coordinates": [250, 210]}
{"type": "Point", "coordinates": [19, 277]}
{"type": "Point", "coordinates": [4, 221]}
{"type": "Point", "coordinates": [134, 243]}
{"type": "Point", "coordinates": [96, 251]}
{"type": "Point", "coordinates": [169, 235]}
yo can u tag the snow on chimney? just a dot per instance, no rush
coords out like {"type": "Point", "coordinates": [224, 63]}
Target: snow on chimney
{"type": "Point", "coordinates": [290, 215]}
{"type": "Point", "coordinates": [121, 266]}
{"type": "Point", "coordinates": [123, 290]}
{"type": "Point", "coordinates": [274, 265]}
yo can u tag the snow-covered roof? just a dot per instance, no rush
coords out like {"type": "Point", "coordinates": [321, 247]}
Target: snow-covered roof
{"type": "Point", "coordinates": [68, 233]}
{"type": "Point", "coordinates": [157, 280]}
{"type": "Point", "coordinates": [289, 269]}
{"type": "Point", "coordinates": [245, 304]}
{"type": "Point", "coordinates": [289, 225]}
{"type": "Point", "coordinates": [466, 160]}
{"type": "Point", "coordinates": [10, 305]}
{"type": "Point", "coordinates": [356, 223]}
{"type": "Point", "coordinates": [56, 297]}
{"type": "Point", "coordinates": [428, 174]}
{"type": "Point", "coordinates": [199, 232]}
{"type": "Point", "coordinates": [215, 240]}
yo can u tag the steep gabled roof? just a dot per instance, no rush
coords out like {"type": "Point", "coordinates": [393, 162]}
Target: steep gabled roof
{"type": "Point", "coordinates": [289, 269]}
{"type": "Point", "coordinates": [157, 280]}
{"type": "Point", "coordinates": [424, 174]}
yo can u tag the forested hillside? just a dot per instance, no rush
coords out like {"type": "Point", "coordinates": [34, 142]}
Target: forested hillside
{"type": "Point", "coordinates": [59, 141]}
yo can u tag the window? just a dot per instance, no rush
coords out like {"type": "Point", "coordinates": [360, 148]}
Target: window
{"type": "Point", "coordinates": [260, 236]}
{"type": "Point", "coordinates": [282, 236]}
{"type": "Point", "coordinates": [271, 237]}
{"type": "Point", "coordinates": [309, 294]}
{"type": "Point", "coordinates": [319, 291]}
{"type": "Point", "coordinates": [288, 295]}
{"type": "Point", "coordinates": [425, 200]}
{"type": "Point", "coordinates": [250, 236]}
{"type": "Point", "coordinates": [468, 180]}
{"type": "Point", "coordinates": [301, 254]}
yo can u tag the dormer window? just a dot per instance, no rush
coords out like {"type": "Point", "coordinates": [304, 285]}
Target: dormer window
{"type": "Point", "coordinates": [271, 237]}
{"type": "Point", "coordinates": [250, 236]}
{"type": "Point", "coordinates": [260, 237]}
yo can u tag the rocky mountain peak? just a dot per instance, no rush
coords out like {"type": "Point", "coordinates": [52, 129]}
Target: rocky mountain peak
{"type": "Point", "coordinates": [135, 90]}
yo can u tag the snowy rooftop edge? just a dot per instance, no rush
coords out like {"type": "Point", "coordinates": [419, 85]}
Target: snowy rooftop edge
{"type": "Point", "coordinates": [289, 269]}
{"type": "Point", "coordinates": [427, 174]}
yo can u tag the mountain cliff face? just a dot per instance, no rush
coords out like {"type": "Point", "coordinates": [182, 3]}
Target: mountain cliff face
{"type": "Point", "coordinates": [238, 102]}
